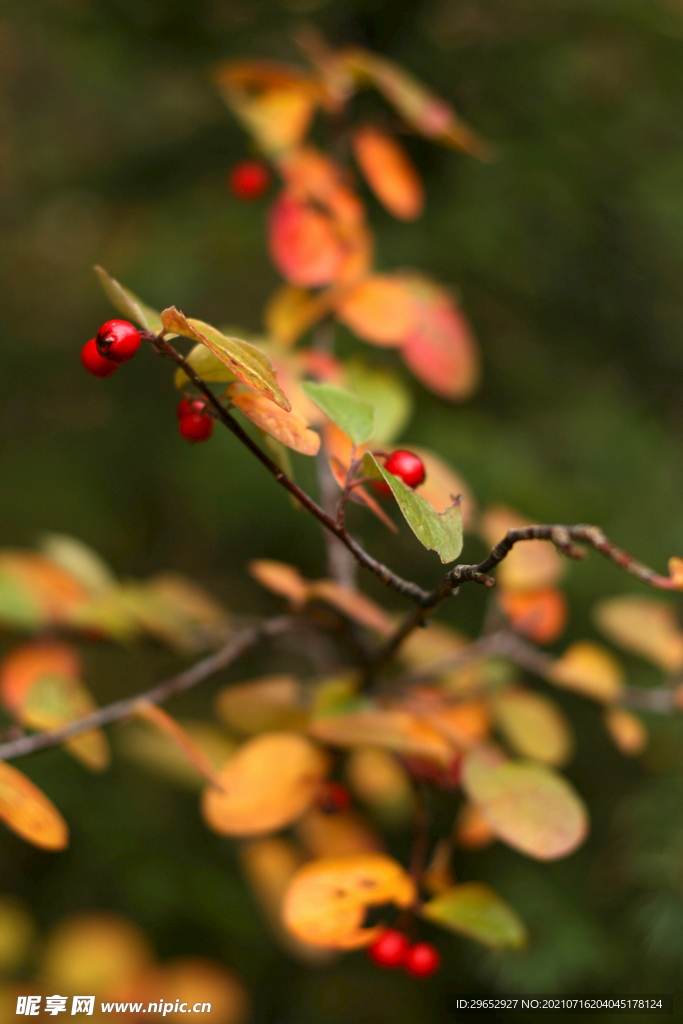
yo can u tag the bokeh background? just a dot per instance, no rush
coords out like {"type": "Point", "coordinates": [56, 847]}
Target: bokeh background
{"type": "Point", "coordinates": [567, 252]}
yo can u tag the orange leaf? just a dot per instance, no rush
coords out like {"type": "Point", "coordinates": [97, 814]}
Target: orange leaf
{"type": "Point", "coordinates": [590, 670]}
{"type": "Point", "coordinates": [327, 899]}
{"type": "Point", "coordinates": [312, 177]}
{"type": "Point", "coordinates": [291, 311]}
{"type": "Point", "coordinates": [275, 102]}
{"type": "Point", "coordinates": [41, 687]}
{"type": "Point", "coordinates": [334, 835]}
{"type": "Point", "coordinates": [391, 728]}
{"type": "Point", "coordinates": [472, 830]}
{"type": "Point", "coordinates": [645, 626]}
{"type": "Point", "coordinates": [287, 427]}
{"type": "Point", "coordinates": [353, 604]}
{"type": "Point", "coordinates": [532, 564]}
{"type": "Point", "coordinates": [304, 244]}
{"type": "Point", "coordinates": [161, 720]}
{"type": "Point", "coordinates": [380, 309]}
{"type": "Point", "coordinates": [191, 980]}
{"type": "Point", "coordinates": [281, 578]}
{"type": "Point", "coordinates": [466, 723]}
{"type": "Point", "coordinates": [389, 172]}
{"type": "Point", "coordinates": [27, 811]}
{"type": "Point", "coordinates": [55, 593]}
{"type": "Point", "coordinates": [267, 785]}
{"type": "Point", "coordinates": [539, 614]}
{"type": "Point", "coordinates": [628, 732]}
{"type": "Point", "coordinates": [441, 350]}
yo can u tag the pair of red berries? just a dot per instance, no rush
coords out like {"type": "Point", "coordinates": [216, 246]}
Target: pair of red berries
{"type": "Point", "coordinates": [408, 467]}
{"type": "Point", "coordinates": [249, 179]}
{"type": "Point", "coordinates": [392, 949]}
{"type": "Point", "coordinates": [194, 422]}
{"type": "Point", "coordinates": [116, 342]}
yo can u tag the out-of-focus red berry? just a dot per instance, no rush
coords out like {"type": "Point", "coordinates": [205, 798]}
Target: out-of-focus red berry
{"type": "Point", "coordinates": [189, 405]}
{"type": "Point", "coordinates": [410, 468]}
{"type": "Point", "coordinates": [422, 960]}
{"type": "Point", "coordinates": [93, 361]}
{"type": "Point", "coordinates": [196, 427]}
{"type": "Point", "coordinates": [333, 798]}
{"type": "Point", "coordinates": [118, 341]}
{"type": "Point", "coordinates": [249, 179]}
{"type": "Point", "coordinates": [389, 949]}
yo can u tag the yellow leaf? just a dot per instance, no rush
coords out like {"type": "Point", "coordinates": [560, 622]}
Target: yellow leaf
{"type": "Point", "coordinates": [179, 736]}
{"type": "Point", "coordinates": [389, 172]}
{"type": "Point", "coordinates": [281, 578]}
{"type": "Point", "coordinates": [287, 427]}
{"type": "Point", "coordinates": [380, 309]}
{"type": "Point", "coordinates": [268, 703]}
{"type": "Point", "coordinates": [379, 779]}
{"type": "Point", "coordinates": [55, 592]}
{"type": "Point", "coordinates": [532, 563]}
{"type": "Point", "coordinates": [192, 980]}
{"type": "Point", "coordinates": [327, 899]}
{"type": "Point", "coordinates": [627, 730]}
{"type": "Point", "coordinates": [267, 785]}
{"type": "Point", "coordinates": [353, 604]}
{"type": "Point", "coordinates": [27, 811]}
{"type": "Point", "coordinates": [291, 311]}
{"type": "Point", "coordinates": [534, 726]}
{"type": "Point", "coordinates": [676, 572]}
{"type": "Point", "coordinates": [17, 930]}
{"type": "Point", "coordinates": [390, 728]}
{"type": "Point", "coordinates": [464, 723]}
{"type": "Point", "coordinates": [588, 669]}
{"type": "Point", "coordinates": [335, 835]}
{"type": "Point", "coordinates": [155, 751]}
{"type": "Point", "coordinates": [645, 626]}
{"type": "Point", "coordinates": [207, 364]}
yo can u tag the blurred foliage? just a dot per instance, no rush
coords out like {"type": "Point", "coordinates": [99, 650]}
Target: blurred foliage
{"type": "Point", "coordinates": [568, 251]}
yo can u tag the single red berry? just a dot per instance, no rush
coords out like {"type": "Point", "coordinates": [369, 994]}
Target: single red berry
{"type": "Point", "coordinates": [422, 960]}
{"type": "Point", "coordinates": [189, 405]}
{"type": "Point", "coordinates": [195, 427]}
{"type": "Point", "coordinates": [333, 798]}
{"type": "Point", "coordinates": [118, 341]}
{"type": "Point", "coordinates": [93, 361]}
{"type": "Point", "coordinates": [410, 468]}
{"type": "Point", "coordinates": [249, 179]}
{"type": "Point", "coordinates": [389, 949]}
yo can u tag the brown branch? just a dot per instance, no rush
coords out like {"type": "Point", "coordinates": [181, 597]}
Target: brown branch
{"type": "Point", "coordinates": [389, 578]}
{"type": "Point", "coordinates": [239, 643]}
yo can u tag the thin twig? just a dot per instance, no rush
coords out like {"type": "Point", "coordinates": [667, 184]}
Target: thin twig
{"type": "Point", "coordinates": [389, 578]}
{"type": "Point", "coordinates": [114, 712]}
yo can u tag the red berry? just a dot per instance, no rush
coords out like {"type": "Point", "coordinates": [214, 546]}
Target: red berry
{"type": "Point", "coordinates": [249, 179]}
{"type": "Point", "coordinates": [389, 949]}
{"type": "Point", "coordinates": [189, 405]}
{"type": "Point", "coordinates": [333, 798]}
{"type": "Point", "coordinates": [93, 361]}
{"type": "Point", "coordinates": [422, 960]}
{"type": "Point", "coordinates": [196, 426]}
{"type": "Point", "coordinates": [118, 341]}
{"type": "Point", "coordinates": [407, 466]}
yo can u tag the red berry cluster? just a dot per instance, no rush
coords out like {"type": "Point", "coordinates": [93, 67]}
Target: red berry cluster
{"type": "Point", "coordinates": [408, 467]}
{"type": "Point", "coordinates": [116, 342]}
{"type": "Point", "coordinates": [249, 179]}
{"type": "Point", "coordinates": [194, 423]}
{"type": "Point", "coordinates": [392, 949]}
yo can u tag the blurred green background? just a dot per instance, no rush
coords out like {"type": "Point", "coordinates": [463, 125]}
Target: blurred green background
{"type": "Point", "coordinates": [567, 251]}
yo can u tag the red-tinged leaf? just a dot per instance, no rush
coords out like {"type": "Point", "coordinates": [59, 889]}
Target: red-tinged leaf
{"type": "Point", "coordinates": [528, 806]}
{"type": "Point", "coordinates": [463, 724]}
{"type": "Point", "coordinates": [327, 899]}
{"type": "Point", "coordinates": [291, 311]}
{"type": "Point", "coordinates": [161, 720]}
{"type": "Point", "coordinates": [472, 830]}
{"type": "Point", "coordinates": [312, 177]}
{"type": "Point", "coordinates": [267, 785]}
{"type": "Point", "coordinates": [476, 911]}
{"type": "Point", "coordinates": [389, 728]}
{"type": "Point", "coordinates": [41, 687]}
{"type": "Point", "coordinates": [353, 604]}
{"type": "Point", "coordinates": [247, 362]}
{"type": "Point", "coordinates": [304, 244]}
{"type": "Point", "coordinates": [27, 811]}
{"type": "Point", "coordinates": [644, 625]}
{"type": "Point", "coordinates": [532, 564]}
{"type": "Point", "coordinates": [441, 350]}
{"type": "Point", "coordinates": [359, 495]}
{"type": "Point", "coordinates": [53, 592]}
{"type": "Point", "coordinates": [389, 172]}
{"type": "Point", "coordinates": [539, 614]}
{"type": "Point", "coordinates": [281, 578]}
{"type": "Point", "coordinates": [275, 102]}
{"type": "Point", "coordinates": [286, 427]}
{"type": "Point", "coordinates": [381, 309]}
{"type": "Point", "coordinates": [429, 115]}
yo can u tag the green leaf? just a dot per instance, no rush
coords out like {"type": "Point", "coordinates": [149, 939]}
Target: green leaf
{"type": "Point", "coordinates": [17, 608]}
{"type": "Point", "coordinates": [528, 806]}
{"type": "Point", "coordinates": [351, 414]}
{"type": "Point", "coordinates": [476, 911]}
{"type": "Point", "coordinates": [247, 362]}
{"type": "Point", "coordinates": [437, 531]}
{"type": "Point", "coordinates": [129, 304]}
{"type": "Point", "coordinates": [390, 398]}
